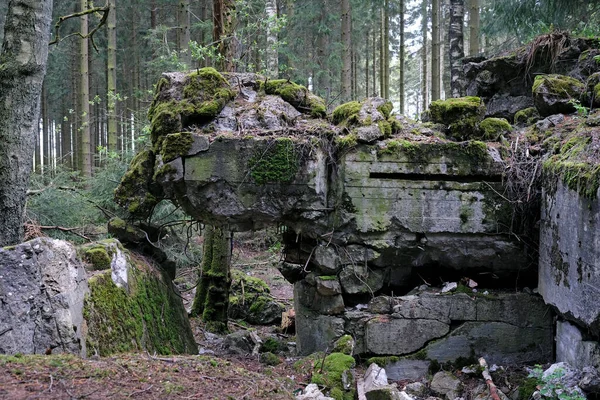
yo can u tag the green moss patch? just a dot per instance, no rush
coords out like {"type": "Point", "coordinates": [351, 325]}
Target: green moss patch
{"type": "Point", "coordinates": [151, 317]}
{"type": "Point", "coordinates": [250, 300]}
{"type": "Point", "coordinates": [329, 373]}
{"type": "Point", "coordinates": [298, 96]}
{"type": "Point", "coordinates": [134, 190]}
{"type": "Point", "coordinates": [527, 116]}
{"type": "Point", "coordinates": [461, 115]}
{"type": "Point", "coordinates": [278, 163]}
{"type": "Point", "coordinates": [346, 113]}
{"type": "Point", "coordinates": [575, 165]}
{"type": "Point", "coordinates": [493, 129]}
{"type": "Point", "coordinates": [559, 85]}
{"type": "Point", "coordinates": [176, 145]}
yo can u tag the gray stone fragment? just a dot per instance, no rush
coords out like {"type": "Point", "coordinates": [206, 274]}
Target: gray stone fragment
{"type": "Point", "coordinates": [417, 389]}
{"type": "Point", "coordinates": [359, 278]}
{"type": "Point", "coordinates": [312, 392]}
{"type": "Point", "coordinates": [368, 134]}
{"type": "Point", "coordinates": [407, 369]}
{"type": "Point", "coordinates": [446, 385]}
{"type": "Point", "coordinates": [42, 290]}
{"type": "Point", "coordinates": [326, 259]}
{"type": "Point", "coordinates": [380, 305]}
{"type": "Point", "coordinates": [315, 332]}
{"type": "Point", "coordinates": [200, 143]}
{"type": "Point", "coordinates": [241, 342]}
{"type": "Point", "coordinates": [328, 287]}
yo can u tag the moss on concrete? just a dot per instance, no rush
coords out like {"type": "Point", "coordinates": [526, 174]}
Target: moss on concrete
{"type": "Point", "coordinates": [278, 163]}
{"type": "Point", "coordinates": [344, 345]}
{"type": "Point", "coordinates": [97, 256]}
{"type": "Point", "coordinates": [559, 85]}
{"type": "Point", "coordinates": [493, 129]}
{"type": "Point", "coordinates": [176, 145]}
{"type": "Point", "coordinates": [151, 317]}
{"type": "Point", "coordinates": [574, 167]}
{"type": "Point", "coordinates": [386, 109]}
{"type": "Point", "coordinates": [382, 361]}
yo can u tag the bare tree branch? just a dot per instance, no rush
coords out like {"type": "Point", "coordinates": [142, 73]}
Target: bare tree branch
{"type": "Point", "coordinates": [104, 10]}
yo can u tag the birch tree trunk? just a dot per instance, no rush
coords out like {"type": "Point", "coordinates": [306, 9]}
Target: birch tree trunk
{"type": "Point", "coordinates": [435, 50]}
{"type": "Point", "coordinates": [456, 39]}
{"type": "Point", "coordinates": [85, 158]}
{"type": "Point", "coordinates": [183, 31]}
{"type": "Point", "coordinates": [346, 50]}
{"type": "Point", "coordinates": [272, 53]}
{"type": "Point", "coordinates": [23, 58]}
{"type": "Point", "coordinates": [424, 74]}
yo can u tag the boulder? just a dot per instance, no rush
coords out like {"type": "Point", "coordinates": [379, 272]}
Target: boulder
{"type": "Point", "coordinates": [553, 94]}
{"type": "Point", "coordinates": [312, 392]}
{"type": "Point", "coordinates": [250, 300]}
{"type": "Point", "coordinates": [461, 115]}
{"type": "Point", "coordinates": [447, 385]}
{"type": "Point", "coordinates": [42, 290]}
{"type": "Point", "coordinates": [242, 342]}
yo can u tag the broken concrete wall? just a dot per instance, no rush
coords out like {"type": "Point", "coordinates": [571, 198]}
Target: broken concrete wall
{"type": "Point", "coordinates": [569, 273]}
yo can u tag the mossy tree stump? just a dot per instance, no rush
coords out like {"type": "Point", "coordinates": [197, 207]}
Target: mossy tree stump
{"type": "Point", "coordinates": [212, 295]}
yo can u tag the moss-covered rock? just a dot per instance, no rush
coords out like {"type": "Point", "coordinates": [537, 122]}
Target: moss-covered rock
{"type": "Point", "coordinates": [298, 96]}
{"type": "Point", "coordinates": [346, 113]}
{"type": "Point", "coordinates": [334, 372]}
{"type": "Point", "coordinates": [133, 191]}
{"type": "Point", "coordinates": [592, 91]}
{"type": "Point", "coordinates": [96, 256]}
{"type": "Point", "coordinates": [148, 315]}
{"type": "Point", "coordinates": [553, 94]}
{"type": "Point", "coordinates": [344, 345]}
{"type": "Point", "coordinates": [269, 359]}
{"type": "Point", "coordinates": [251, 301]}
{"type": "Point", "coordinates": [576, 165]}
{"type": "Point", "coordinates": [176, 145]}
{"type": "Point", "coordinates": [527, 116]}
{"type": "Point", "coordinates": [461, 115]}
{"type": "Point", "coordinates": [493, 129]}
{"type": "Point", "coordinates": [205, 93]}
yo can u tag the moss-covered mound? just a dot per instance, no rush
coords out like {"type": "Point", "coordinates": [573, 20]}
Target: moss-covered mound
{"type": "Point", "coordinates": [494, 129]}
{"type": "Point", "coordinates": [149, 316]}
{"type": "Point", "coordinates": [205, 94]}
{"type": "Point", "coordinates": [97, 256]}
{"type": "Point", "coordinates": [250, 300]}
{"type": "Point", "coordinates": [527, 116]}
{"type": "Point", "coordinates": [133, 192]}
{"type": "Point", "coordinates": [461, 115]}
{"type": "Point", "coordinates": [298, 96]}
{"type": "Point", "coordinates": [334, 373]}
{"type": "Point", "coordinates": [577, 163]}
{"type": "Point", "coordinates": [553, 94]}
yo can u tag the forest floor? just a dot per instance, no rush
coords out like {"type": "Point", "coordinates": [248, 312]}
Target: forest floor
{"type": "Point", "coordinates": [214, 375]}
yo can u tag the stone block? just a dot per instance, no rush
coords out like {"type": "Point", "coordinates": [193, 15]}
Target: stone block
{"type": "Point", "coordinates": [401, 336]}
{"type": "Point", "coordinates": [405, 369]}
{"type": "Point", "coordinates": [572, 348]}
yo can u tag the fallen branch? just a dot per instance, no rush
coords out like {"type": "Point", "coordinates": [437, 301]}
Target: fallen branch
{"type": "Point", "coordinates": [488, 380]}
{"type": "Point", "coordinates": [68, 230]}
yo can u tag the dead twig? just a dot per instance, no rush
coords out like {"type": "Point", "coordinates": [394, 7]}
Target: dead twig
{"type": "Point", "coordinates": [140, 391]}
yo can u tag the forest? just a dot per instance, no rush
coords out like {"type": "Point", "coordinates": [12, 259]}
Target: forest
{"type": "Point", "coordinates": [71, 164]}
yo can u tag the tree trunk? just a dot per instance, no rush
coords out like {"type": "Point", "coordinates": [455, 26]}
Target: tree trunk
{"type": "Point", "coordinates": [401, 56]}
{"type": "Point", "coordinates": [385, 34]}
{"type": "Point", "coordinates": [111, 76]}
{"type": "Point", "coordinates": [212, 293]}
{"type": "Point", "coordinates": [223, 30]}
{"type": "Point", "coordinates": [474, 28]}
{"type": "Point", "coordinates": [346, 51]}
{"type": "Point", "coordinates": [323, 83]}
{"type": "Point", "coordinates": [424, 75]}
{"type": "Point", "coordinates": [457, 53]}
{"type": "Point", "coordinates": [435, 50]}
{"type": "Point", "coordinates": [23, 59]}
{"type": "Point", "coordinates": [272, 53]}
{"type": "Point", "coordinates": [85, 157]}
{"type": "Point", "coordinates": [183, 31]}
